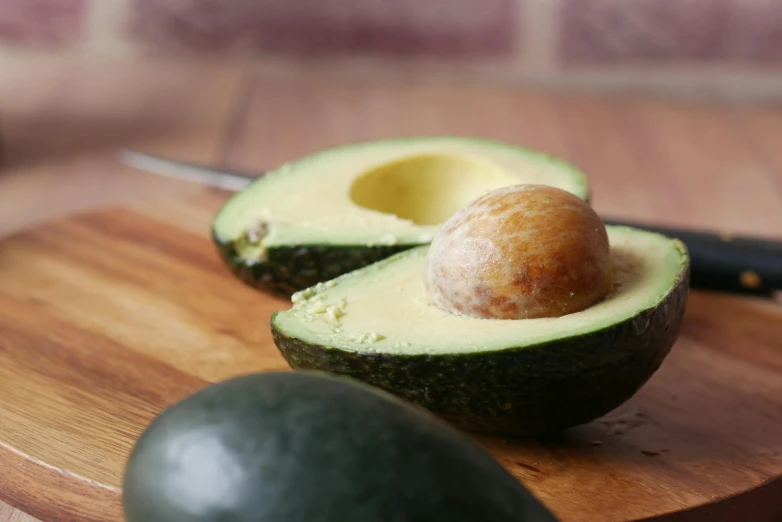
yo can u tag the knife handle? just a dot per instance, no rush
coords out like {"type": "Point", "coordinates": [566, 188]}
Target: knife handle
{"type": "Point", "coordinates": [727, 263]}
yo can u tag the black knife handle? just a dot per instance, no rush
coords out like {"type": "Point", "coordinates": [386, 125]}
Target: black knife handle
{"type": "Point", "coordinates": [727, 263]}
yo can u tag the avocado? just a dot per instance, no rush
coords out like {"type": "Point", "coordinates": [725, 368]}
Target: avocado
{"type": "Point", "coordinates": [343, 208]}
{"type": "Point", "coordinates": [527, 377]}
{"type": "Point", "coordinates": [306, 447]}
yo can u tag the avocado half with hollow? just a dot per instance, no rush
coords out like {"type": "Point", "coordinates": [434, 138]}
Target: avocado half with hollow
{"type": "Point", "coordinates": [337, 210]}
{"type": "Point", "coordinates": [512, 377]}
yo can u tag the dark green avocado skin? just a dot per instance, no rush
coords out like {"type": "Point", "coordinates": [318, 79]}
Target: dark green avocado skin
{"type": "Point", "coordinates": [308, 446]}
{"type": "Point", "coordinates": [529, 391]}
{"type": "Point", "coordinates": [292, 268]}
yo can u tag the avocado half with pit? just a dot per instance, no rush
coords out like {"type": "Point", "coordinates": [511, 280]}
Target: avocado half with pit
{"type": "Point", "coordinates": [340, 209]}
{"type": "Point", "coordinates": [525, 377]}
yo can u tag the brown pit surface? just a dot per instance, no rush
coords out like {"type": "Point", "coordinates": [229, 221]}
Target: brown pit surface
{"type": "Point", "coordinates": [520, 252]}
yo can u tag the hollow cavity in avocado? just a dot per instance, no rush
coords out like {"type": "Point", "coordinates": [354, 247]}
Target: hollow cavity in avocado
{"type": "Point", "coordinates": [344, 208]}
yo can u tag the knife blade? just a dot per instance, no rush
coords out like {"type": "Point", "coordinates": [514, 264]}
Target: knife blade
{"type": "Point", "coordinates": [222, 179]}
{"type": "Point", "coordinates": [720, 262]}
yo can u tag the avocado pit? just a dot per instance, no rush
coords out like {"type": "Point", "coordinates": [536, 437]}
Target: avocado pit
{"type": "Point", "coordinates": [520, 252]}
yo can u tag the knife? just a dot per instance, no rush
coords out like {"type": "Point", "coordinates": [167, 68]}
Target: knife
{"type": "Point", "coordinates": [719, 262]}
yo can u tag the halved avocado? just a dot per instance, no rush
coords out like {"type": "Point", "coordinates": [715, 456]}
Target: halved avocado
{"type": "Point", "coordinates": [332, 212]}
{"type": "Point", "coordinates": [525, 377]}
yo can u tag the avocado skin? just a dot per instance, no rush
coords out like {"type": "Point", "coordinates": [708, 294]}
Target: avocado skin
{"type": "Point", "coordinates": [527, 391]}
{"type": "Point", "coordinates": [308, 446]}
{"type": "Point", "coordinates": [288, 269]}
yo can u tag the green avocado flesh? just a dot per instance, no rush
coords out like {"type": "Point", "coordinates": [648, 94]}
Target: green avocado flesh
{"type": "Point", "coordinates": [328, 213]}
{"type": "Point", "coordinates": [308, 446]}
{"type": "Point", "coordinates": [519, 377]}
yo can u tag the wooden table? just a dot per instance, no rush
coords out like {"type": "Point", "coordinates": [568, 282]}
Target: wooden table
{"type": "Point", "coordinates": [670, 161]}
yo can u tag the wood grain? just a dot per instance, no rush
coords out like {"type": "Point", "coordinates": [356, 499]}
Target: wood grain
{"type": "Point", "coordinates": [668, 161]}
{"type": "Point", "coordinates": [91, 287]}
{"type": "Point", "coordinates": [62, 123]}
{"type": "Point", "coordinates": [109, 317]}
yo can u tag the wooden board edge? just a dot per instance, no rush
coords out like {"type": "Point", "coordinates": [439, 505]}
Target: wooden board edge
{"type": "Point", "coordinates": [761, 504]}
{"type": "Point", "coordinates": [49, 493]}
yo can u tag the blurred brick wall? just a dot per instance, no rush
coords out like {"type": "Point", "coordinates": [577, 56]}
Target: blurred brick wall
{"type": "Point", "coordinates": [722, 47]}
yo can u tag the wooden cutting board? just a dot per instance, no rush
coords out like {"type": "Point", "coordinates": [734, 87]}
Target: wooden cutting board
{"type": "Point", "coordinates": [106, 318]}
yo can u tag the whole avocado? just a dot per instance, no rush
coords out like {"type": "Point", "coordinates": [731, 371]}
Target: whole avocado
{"type": "Point", "coordinates": [306, 446]}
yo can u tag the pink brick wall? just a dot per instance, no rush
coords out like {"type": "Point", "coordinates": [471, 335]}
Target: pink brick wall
{"type": "Point", "coordinates": [665, 30]}
{"type": "Point", "coordinates": [41, 22]}
{"type": "Point", "coordinates": [325, 27]}
{"type": "Point", "coordinates": [659, 44]}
